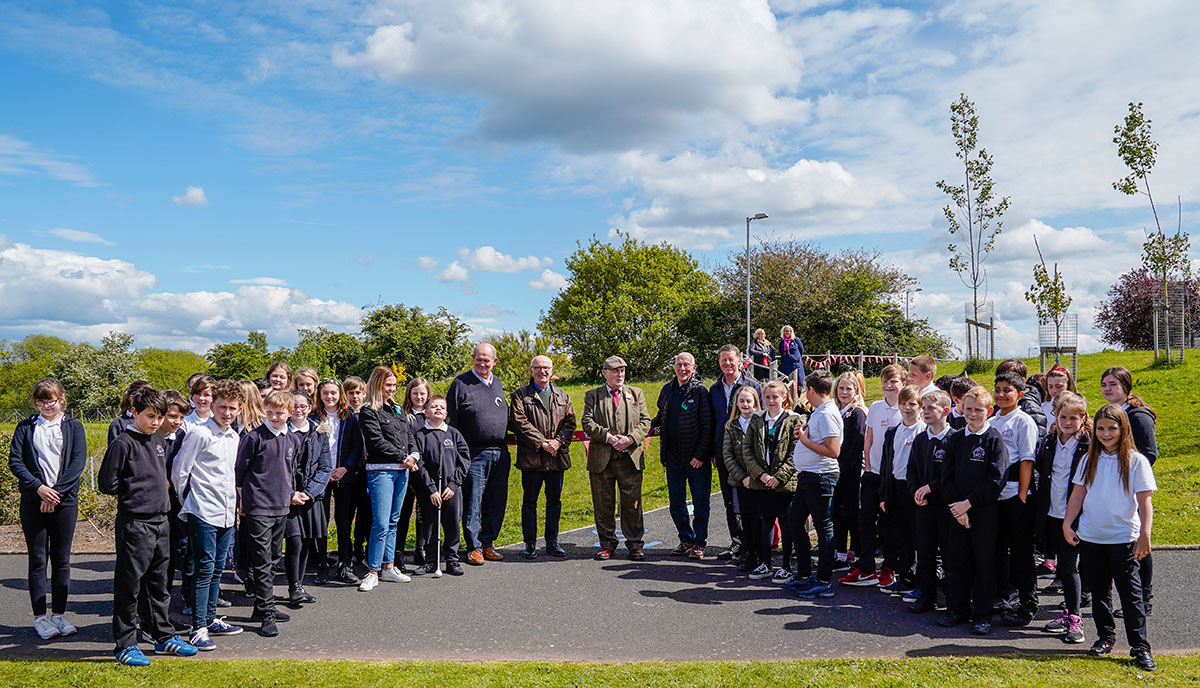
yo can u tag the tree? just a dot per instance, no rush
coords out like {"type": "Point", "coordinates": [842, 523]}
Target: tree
{"type": "Point", "coordinates": [429, 345]}
{"type": "Point", "coordinates": [25, 362]}
{"type": "Point", "coordinates": [331, 354]}
{"type": "Point", "coordinates": [246, 360]}
{"type": "Point", "coordinates": [625, 299]}
{"type": "Point", "coordinates": [1048, 294]}
{"type": "Point", "coordinates": [1163, 256]}
{"type": "Point", "coordinates": [1126, 317]}
{"type": "Point", "coordinates": [95, 379]}
{"type": "Point", "coordinates": [170, 368]}
{"type": "Point", "coordinates": [514, 351]}
{"type": "Point", "coordinates": [974, 218]}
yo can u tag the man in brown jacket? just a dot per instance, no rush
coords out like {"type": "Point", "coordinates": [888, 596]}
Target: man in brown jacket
{"type": "Point", "coordinates": [543, 420]}
{"type": "Point", "coordinates": [616, 422]}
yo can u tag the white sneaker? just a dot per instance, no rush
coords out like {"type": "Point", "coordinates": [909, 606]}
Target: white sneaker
{"type": "Point", "coordinates": [46, 628]}
{"type": "Point", "coordinates": [782, 576]}
{"type": "Point", "coordinates": [393, 575]}
{"type": "Point", "coordinates": [64, 627]}
{"type": "Point", "coordinates": [368, 583]}
{"type": "Point", "coordinates": [763, 571]}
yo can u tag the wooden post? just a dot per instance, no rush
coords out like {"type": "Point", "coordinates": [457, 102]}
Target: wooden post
{"type": "Point", "coordinates": [992, 339]}
{"type": "Point", "coordinates": [1156, 334]}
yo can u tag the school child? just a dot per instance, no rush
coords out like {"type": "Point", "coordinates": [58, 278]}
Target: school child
{"type": "Point", "coordinates": [280, 377]}
{"type": "Point", "coordinates": [1059, 456]}
{"type": "Point", "coordinates": [931, 519]}
{"type": "Point", "coordinates": [1116, 384]}
{"type": "Point", "coordinates": [263, 475]}
{"type": "Point", "coordinates": [971, 481]}
{"type": "Point", "coordinates": [745, 405]}
{"type": "Point", "coordinates": [416, 395]}
{"type": "Point", "coordinates": [47, 455]}
{"type": "Point", "coordinates": [172, 433]}
{"type": "Point", "coordinates": [346, 448]}
{"type": "Point", "coordinates": [445, 460]}
{"type": "Point", "coordinates": [815, 457]}
{"type": "Point", "coordinates": [135, 470]}
{"type": "Point", "coordinates": [306, 381]}
{"type": "Point", "coordinates": [767, 450]}
{"type": "Point", "coordinates": [881, 416]}
{"type": "Point", "coordinates": [1031, 401]}
{"type": "Point", "coordinates": [1112, 498]}
{"type": "Point", "coordinates": [958, 389]}
{"type": "Point", "coordinates": [253, 414]}
{"type": "Point", "coordinates": [896, 501]}
{"type": "Point", "coordinates": [1017, 516]}
{"type": "Point", "coordinates": [1056, 381]}
{"type": "Point", "coordinates": [921, 371]}
{"type": "Point", "coordinates": [849, 392]}
{"type": "Point", "coordinates": [356, 396]}
{"type": "Point", "coordinates": [944, 383]}
{"type": "Point", "coordinates": [200, 392]}
{"type": "Point", "coordinates": [204, 475]}
{"type": "Point", "coordinates": [125, 418]}
{"type": "Point", "coordinates": [306, 520]}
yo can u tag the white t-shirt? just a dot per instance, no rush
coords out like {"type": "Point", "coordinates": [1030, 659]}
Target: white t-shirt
{"type": "Point", "coordinates": [1060, 476]}
{"type": "Point", "coordinates": [48, 448]}
{"type": "Point", "coordinates": [929, 388]}
{"type": "Point", "coordinates": [1020, 435]}
{"type": "Point", "coordinates": [880, 417]}
{"type": "Point", "coordinates": [825, 421]}
{"type": "Point", "coordinates": [1048, 409]}
{"type": "Point", "coordinates": [902, 447]}
{"type": "Point", "coordinates": [1110, 514]}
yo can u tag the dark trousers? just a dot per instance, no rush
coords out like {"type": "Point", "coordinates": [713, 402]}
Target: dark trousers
{"type": "Point", "coordinates": [814, 497]}
{"type": "Point", "coordinates": [140, 591]}
{"type": "Point", "coordinates": [364, 518]}
{"type": "Point", "coordinates": [733, 520]}
{"type": "Point", "coordinates": [407, 512]}
{"type": "Point", "coordinates": [900, 552]}
{"type": "Point", "coordinates": [48, 536]}
{"type": "Point", "coordinates": [1068, 566]}
{"type": "Point", "coordinates": [450, 518]}
{"type": "Point", "coordinates": [181, 554]}
{"type": "Point", "coordinates": [208, 544]}
{"type": "Point", "coordinates": [759, 512]}
{"type": "Point", "coordinates": [295, 563]}
{"type": "Point", "coordinates": [345, 503]}
{"type": "Point", "coordinates": [971, 564]}
{"type": "Point", "coordinates": [1103, 566]}
{"type": "Point", "coordinates": [932, 525]}
{"type": "Point", "coordinates": [753, 544]}
{"type": "Point", "coordinates": [845, 508]}
{"type": "Point", "coordinates": [869, 515]}
{"type": "Point", "coordinates": [485, 493]}
{"type": "Point", "coordinates": [531, 487]}
{"type": "Point", "coordinates": [682, 479]}
{"type": "Point", "coordinates": [263, 546]}
{"type": "Point", "coordinates": [621, 477]}
{"type": "Point", "coordinates": [1015, 539]}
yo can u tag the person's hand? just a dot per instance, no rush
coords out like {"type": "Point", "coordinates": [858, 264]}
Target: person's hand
{"type": "Point", "coordinates": [746, 482]}
{"type": "Point", "coordinates": [922, 492]}
{"type": "Point", "coordinates": [46, 507]}
{"type": "Point", "coordinates": [696, 463]}
{"type": "Point", "coordinates": [551, 446]}
{"type": "Point", "coordinates": [447, 493]}
{"type": "Point", "coordinates": [1143, 546]}
{"type": "Point", "coordinates": [963, 521]}
{"type": "Point", "coordinates": [1022, 496]}
{"type": "Point", "coordinates": [960, 508]}
{"type": "Point", "coordinates": [769, 480]}
{"type": "Point", "coordinates": [49, 495]}
{"type": "Point", "coordinates": [436, 500]}
{"type": "Point", "coordinates": [1070, 536]}
{"type": "Point", "coordinates": [614, 440]}
{"type": "Point", "coordinates": [799, 430]}
{"type": "Point", "coordinates": [338, 473]}
{"type": "Point", "coordinates": [410, 463]}
{"type": "Point", "coordinates": [299, 498]}
{"type": "Point", "coordinates": [883, 507]}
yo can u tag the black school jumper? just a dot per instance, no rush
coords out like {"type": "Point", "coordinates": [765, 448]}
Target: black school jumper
{"type": "Point", "coordinates": [445, 459]}
{"type": "Point", "coordinates": [974, 471]}
{"type": "Point", "coordinates": [932, 520]}
{"type": "Point", "coordinates": [135, 470]}
{"type": "Point", "coordinates": [264, 474]}
{"type": "Point", "coordinates": [900, 548]}
{"type": "Point", "coordinates": [1067, 554]}
{"type": "Point", "coordinates": [845, 495]}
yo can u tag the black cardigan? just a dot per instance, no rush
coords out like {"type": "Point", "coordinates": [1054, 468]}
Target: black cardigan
{"type": "Point", "coordinates": [1044, 460]}
{"type": "Point", "coordinates": [974, 468]}
{"type": "Point", "coordinates": [23, 463]}
{"type": "Point", "coordinates": [1141, 424]}
{"type": "Point", "coordinates": [925, 464]}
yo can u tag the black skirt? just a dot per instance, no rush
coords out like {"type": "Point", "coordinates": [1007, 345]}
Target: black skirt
{"type": "Point", "coordinates": [307, 520]}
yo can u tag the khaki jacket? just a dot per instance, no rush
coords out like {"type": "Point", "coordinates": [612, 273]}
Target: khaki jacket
{"type": "Point", "coordinates": [600, 418]}
{"type": "Point", "coordinates": [754, 451]}
{"type": "Point", "coordinates": [533, 424]}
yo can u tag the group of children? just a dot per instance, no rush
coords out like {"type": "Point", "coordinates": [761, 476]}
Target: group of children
{"type": "Point", "coordinates": [976, 491]}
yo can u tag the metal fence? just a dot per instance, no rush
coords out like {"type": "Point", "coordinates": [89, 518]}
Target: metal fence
{"type": "Point", "coordinates": [12, 416]}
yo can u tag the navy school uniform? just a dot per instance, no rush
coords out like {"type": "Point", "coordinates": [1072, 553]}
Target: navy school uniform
{"type": "Point", "coordinates": [1066, 555]}
{"type": "Point", "coordinates": [932, 520]}
{"type": "Point", "coordinates": [181, 558]}
{"type": "Point", "coordinates": [445, 460]}
{"type": "Point", "coordinates": [845, 495]}
{"type": "Point", "coordinates": [900, 547]}
{"type": "Point", "coordinates": [348, 454]}
{"type": "Point", "coordinates": [263, 471]}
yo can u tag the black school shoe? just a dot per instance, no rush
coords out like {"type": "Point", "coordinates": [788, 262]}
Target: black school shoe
{"type": "Point", "coordinates": [425, 569]}
{"type": "Point", "coordinates": [1017, 617]}
{"type": "Point", "coordinates": [1142, 658]}
{"type": "Point", "coordinates": [982, 628]}
{"type": "Point", "coordinates": [530, 550]}
{"type": "Point", "coordinates": [454, 568]}
{"type": "Point", "coordinates": [269, 629]}
{"type": "Point", "coordinates": [346, 575]}
{"type": "Point", "coordinates": [554, 550]}
{"type": "Point", "coordinates": [279, 616]}
{"type": "Point", "coordinates": [949, 620]}
{"type": "Point", "coordinates": [322, 576]}
{"type": "Point", "coordinates": [922, 605]}
{"type": "Point", "coordinates": [1100, 648]}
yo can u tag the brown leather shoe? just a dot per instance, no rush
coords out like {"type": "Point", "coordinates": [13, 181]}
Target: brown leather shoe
{"type": "Point", "coordinates": [491, 554]}
{"type": "Point", "coordinates": [604, 555]}
{"type": "Point", "coordinates": [636, 554]}
{"type": "Point", "coordinates": [475, 558]}
{"type": "Point", "coordinates": [696, 552]}
{"type": "Point", "coordinates": [682, 549]}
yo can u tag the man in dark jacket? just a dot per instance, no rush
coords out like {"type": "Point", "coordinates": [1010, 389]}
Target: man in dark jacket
{"type": "Point", "coordinates": [685, 423]}
{"type": "Point", "coordinates": [722, 395]}
{"type": "Point", "coordinates": [543, 420]}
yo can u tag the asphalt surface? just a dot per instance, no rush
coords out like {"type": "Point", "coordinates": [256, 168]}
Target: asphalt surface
{"type": "Point", "coordinates": [578, 609]}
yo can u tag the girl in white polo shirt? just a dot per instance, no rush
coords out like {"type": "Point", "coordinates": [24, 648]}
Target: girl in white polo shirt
{"type": "Point", "coordinates": [1111, 496]}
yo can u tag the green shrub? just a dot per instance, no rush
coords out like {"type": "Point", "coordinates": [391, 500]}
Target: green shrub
{"type": "Point", "coordinates": [10, 495]}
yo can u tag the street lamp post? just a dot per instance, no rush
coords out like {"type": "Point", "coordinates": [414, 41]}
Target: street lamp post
{"type": "Point", "coordinates": [908, 298]}
{"type": "Point", "coordinates": [749, 219]}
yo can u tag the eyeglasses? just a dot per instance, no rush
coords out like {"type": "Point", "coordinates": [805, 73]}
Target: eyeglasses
{"type": "Point", "coordinates": [543, 367]}
{"type": "Point", "coordinates": [43, 403]}
{"type": "Point", "coordinates": [302, 407]}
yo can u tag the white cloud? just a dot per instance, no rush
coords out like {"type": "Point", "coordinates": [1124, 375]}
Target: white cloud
{"type": "Point", "coordinates": [488, 259]}
{"type": "Point", "coordinates": [192, 197]}
{"type": "Point", "coordinates": [19, 157]}
{"type": "Point", "coordinates": [75, 235]}
{"type": "Point", "coordinates": [454, 272]}
{"type": "Point", "coordinates": [489, 310]}
{"type": "Point", "coordinates": [550, 281]}
{"type": "Point", "coordinates": [427, 263]}
{"type": "Point", "coordinates": [263, 281]}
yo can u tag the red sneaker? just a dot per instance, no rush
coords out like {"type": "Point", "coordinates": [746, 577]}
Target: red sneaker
{"type": "Point", "coordinates": [859, 579]}
{"type": "Point", "coordinates": [886, 577]}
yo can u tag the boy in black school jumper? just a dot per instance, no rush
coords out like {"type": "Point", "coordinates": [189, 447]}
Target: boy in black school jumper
{"type": "Point", "coordinates": [263, 476]}
{"type": "Point", "coordinates": [445, 460]}
{"type": "Point", "coordinates": [135, 470]}
{"type": "Point", "coordinates": [972, 477]}
{"type": "Point", "coordinates": [958, 389]}
{"type": "Point", "coordinates": [1014, 554]}
{"type": "Point", "coordinates": [123, 421]}
{"type": "Point", "coordinates": [932, 519]}
{"type": "Point", "coordinates": [896, 500]}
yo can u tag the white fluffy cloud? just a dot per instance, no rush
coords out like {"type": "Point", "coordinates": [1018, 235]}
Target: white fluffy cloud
{"type": "Point", "coordinates": [454, 272]}
{"type": "Point", "coordinates": [488, 259]}
{"type": "Point", "coordinates": [427, 263]}
{"type": "Point", "coordinates": [193, 197]}
{"type": "Point", "coordinates": [550, 281]}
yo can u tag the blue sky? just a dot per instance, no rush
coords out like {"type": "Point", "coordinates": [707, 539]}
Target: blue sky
{"type": "Point", "coordinates": [189, 170]}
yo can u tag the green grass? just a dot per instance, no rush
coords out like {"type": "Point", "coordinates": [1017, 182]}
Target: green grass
{"type": "Point", "coordinates": [940, 672]}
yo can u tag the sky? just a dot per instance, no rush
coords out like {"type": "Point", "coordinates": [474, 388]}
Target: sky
{"type": "Point", "coordinates": [187, 171]}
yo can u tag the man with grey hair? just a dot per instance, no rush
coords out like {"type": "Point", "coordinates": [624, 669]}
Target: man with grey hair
{"type": "Point", "coordinates": [477, 407]}
{"type": "Point", "coordinates": [543, 420]}
{"type": "Point", "coordinates": [685, 425]}
{"type": "Point", "coordinates": [722, 393]}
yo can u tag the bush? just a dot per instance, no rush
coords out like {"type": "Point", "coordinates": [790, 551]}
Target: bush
{"type": "Point", "coordinates": [976, 365]}
{"type": "Point", "coordinates": [10, 495]}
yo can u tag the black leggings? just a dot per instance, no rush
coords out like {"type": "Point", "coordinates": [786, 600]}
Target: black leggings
{"type": "Point", "coordinates": [1067, 568]}
{"type": "Point", "coordinates": [845, 508]}
{"type": "Point", "coordinates": [295, 561]}
{"type": "Point", "coordinates": [48, 534]}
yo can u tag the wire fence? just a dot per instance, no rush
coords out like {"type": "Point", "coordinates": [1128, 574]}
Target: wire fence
{"type": "Point", "coordinates": [12, 416]}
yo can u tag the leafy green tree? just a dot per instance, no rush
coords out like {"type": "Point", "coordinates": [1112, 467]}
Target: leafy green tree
{"type": "Point", "coordinates": [429, 345]}
{"type": "Point", "coordinates": [170, 368]}
{"type": "Point", "coordinates": [514, 351]}
{"type": "Point", "coordinates": [94, 379]}
{"type": "Point", "coordinates": [1048, 294]}
{"type": "Point", "coordinates": [625, 299]}
{"type": "Point", "coordinates": [246, 360]}
{"type": "Point", "coordinates": [25, 362]}
{"type": "Point", "coordinates": [331, 354]}
{"type": "Point", "coordinates": [974, 217]}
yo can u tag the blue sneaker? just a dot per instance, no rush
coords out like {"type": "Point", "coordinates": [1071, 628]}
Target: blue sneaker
{"type": "Point", "coordinates": [132, 656]}
{"type": "Point", "coordinates": [175, 646]}
{"type": "Point", "coordinates": [801, 585]}
{"type": "Point", "coordinates": [913, 596]}
{"type": "Point", "coordinates": [219, 627]}
{"type": "Point", "coordinates": [818, 590]}
{"type": "Point", "coordinates": [201, 641]}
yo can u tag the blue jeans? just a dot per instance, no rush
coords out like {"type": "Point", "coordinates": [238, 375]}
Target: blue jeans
{"type": "Point", "coordinates": [386, 489]}
{"type": "Point", "coordinates": [486, 497]}
{"type": "Point", "coordinates": [681, 479]}
{"type": "Point", "coordinates": [208, 543]}
{"type": "Point", "coordinates": [814, 497]}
